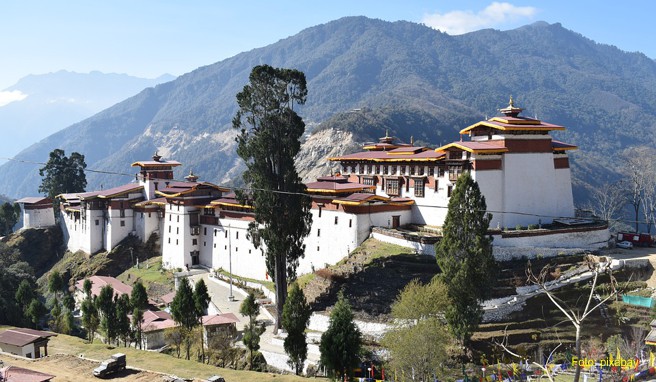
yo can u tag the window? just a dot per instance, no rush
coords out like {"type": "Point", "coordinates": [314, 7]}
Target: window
{"type": "Point", "coordinates": [169, 240]}
{"type": "Point", "coordinates": [169, 217]}
{"type": "Point", "coordinates": [368, 181]}
{"type": "Point", "coordinates": [249, 251]}
{"type": "Point", "coordinates": [350, 223]}
{"type": "Point", "coordinates": [194, 242]}
{"type": "Point", "coordinates": [412, 170]}
{"type": "Point", "coordinates": [204, 230]}
{"type": "Point", "coordinates": [149, 214]}
{"type": "Point", "coordinates": [226, 234]}
{"type": "Point", "coordinates": [317, 248]}
{"type": "Point", "coordinates": [204, 244]}
{"type": "Point", "coordinates": [97, 222]}
{"type": "Point", "coordinates": [319, 232]}
{"type": "Point", "coordinates": [215, 232]}
{"type": "Point", "coordinates": [122, 223]}
{"type": "Point", "coordinates": [436, 185]}
{"type": "Point", "coordinates": [237, 235]}
{"type": "Point", "coordinates": [226, 247]}
{"type": "Point", "coordinates": [177, 230]}
{"type": "Point", "coordinates": [169, 229]}
{"type": "Point", "coordinates": [178, 217]}
{"type": "Point", "coordinates": [142, 215]}
{"type": "Point", "coordinates": [448, 191]}
{"type": "Point", "coordinates": [393, 187]}
{"type": "Point", "coordinates": [214, 245]}
{"type": "Point", "coordinates": [176, 241]}
{"type": "Point", "coordinates": [336, 219]}
{"type": "Point", "coordinates": [236, 249]}
{"type": "Point", "coordinates": [431, 171]}
{"type": "Point", "coordinates": [385, 169]}
{"type": "Point", "coordinates": [419, 188]}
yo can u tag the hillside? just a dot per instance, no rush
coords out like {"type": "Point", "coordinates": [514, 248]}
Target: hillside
{"type": "Point", "coordinates": [365, 75]}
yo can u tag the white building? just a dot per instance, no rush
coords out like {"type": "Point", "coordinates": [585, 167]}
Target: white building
{"type": "Point", "coordinates": [523, 173]}
{"type": "Point", "coordinates": [37, 212]}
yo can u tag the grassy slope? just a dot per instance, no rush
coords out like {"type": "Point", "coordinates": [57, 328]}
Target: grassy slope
{"type": "Point", "coordinates": [63, 344]}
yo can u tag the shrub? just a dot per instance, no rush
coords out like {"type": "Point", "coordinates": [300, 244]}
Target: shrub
{"type": "Point", "coordinates": [532, 226]}
{"type": "Point", "coordinates": [518, 227]}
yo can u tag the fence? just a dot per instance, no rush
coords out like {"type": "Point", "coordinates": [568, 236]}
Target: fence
{"type": "Point", "coordinates": [646, 302]}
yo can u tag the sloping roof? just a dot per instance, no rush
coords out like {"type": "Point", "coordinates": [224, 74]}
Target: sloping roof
{"type": "Point", "coordinates": [152, 163]}
{"type": "Point", "coordinates": [331, 187]}
{"type": "Point", "coordinates": [651, 338]}
{"type": "Point", "coordinates": [181, 188]}
{"type": "Point", "coordinates": [152, 202]}
{"type": "Point", "coordinates": [168, 298]}
{"type": "Point", "coordinates": [157, 315]}
{"type": "Point", "coordinates": [157, 320]}
{"type": "Point", "coordinates": [507, 123]}
{"type": "Point", "coordinates": [562, 146]}
{"type": "Point", "coordinates": [108, 193]}
{"type": "Point", "coordinates": [486, 147]}
{"type": "Point", "coordinates": [98, 282]}
{"type": "Point", "coordinates": [34, 200]}
{"type": "Point", "coordinates": [357, 199]}
{"type": "Point", "coordinates": [220, 319]}
{"type": "Point", "coordinates": [23, 336]}
{"type": "Point", "coordinates": [20, 374]}
{"type": "Point", "coordinates": [392, 156]}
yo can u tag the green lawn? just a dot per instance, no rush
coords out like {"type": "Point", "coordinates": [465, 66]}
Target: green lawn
{"type": "Point", "coordinates": [150, 271]}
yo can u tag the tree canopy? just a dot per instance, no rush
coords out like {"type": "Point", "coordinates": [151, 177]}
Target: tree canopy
{"type": "Point", "coordinates": [63, 174]}
{"type": "Point", "coordinates": [465, 257]}
{"type": "Point", "coordinates": [295, 319]}
{"type": "Point", "coordinates": [252, 331]}
{"type": "Point", "coordinates": [269, 140]}
{"type": "Point", "coordinates": [419, 341]}
{"type": "Point", "coordinates": [341, 343]}
{"type": "Point", "coordinates": [9, 215]}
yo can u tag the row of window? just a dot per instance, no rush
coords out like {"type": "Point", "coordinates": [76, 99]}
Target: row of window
{"type": "Point", "coordinates": [384, 169]}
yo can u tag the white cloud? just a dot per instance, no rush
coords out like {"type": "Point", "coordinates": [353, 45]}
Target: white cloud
{"type": "Point", "coordinates": [7, 97]}
{"type": "Point", "coordinates": [494, 15]}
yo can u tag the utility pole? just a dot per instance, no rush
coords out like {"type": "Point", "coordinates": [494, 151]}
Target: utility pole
{"type": "Point", "coordinates": [231, 297]}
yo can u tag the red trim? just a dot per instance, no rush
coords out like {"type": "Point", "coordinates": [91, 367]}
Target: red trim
{"type": "Point", "coordinates": [528, 145]}
{"type": "Point", "coordinates": [493, 164]}
{"type": "Point", "coordinates": [561, 162]}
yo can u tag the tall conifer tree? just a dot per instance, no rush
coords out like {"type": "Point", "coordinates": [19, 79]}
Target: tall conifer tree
{"type": "Point", "coordinates": [269, 139]}
{"type": "Point", "coordinates": [465, 257]}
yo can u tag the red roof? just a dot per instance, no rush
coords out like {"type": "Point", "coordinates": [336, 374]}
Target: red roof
{"type": "Point", "coordinates": [220, 319]}
{"type": "Point", "coordinates": [476, 146]}
{"type": "Point", "coordinates": [157, 320]}
{"type": "Point", "coordinates": [391, 156]}
{"type": "Point", "coordinates": [168, 298]}
{"type": "Point", "coordinates": [146, 163]}
{"type": "Point", "coordinates": [98, 282]}
{"type": "Point", "coordinates": [23, 336]}
{"type": "Point", "coordinates": [19, 374]}
{"type": "Point", "coordinates": [338, 186]}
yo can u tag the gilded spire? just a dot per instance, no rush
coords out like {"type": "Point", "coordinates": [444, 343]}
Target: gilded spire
{"type": "Point", "coordinates": [511, 110]}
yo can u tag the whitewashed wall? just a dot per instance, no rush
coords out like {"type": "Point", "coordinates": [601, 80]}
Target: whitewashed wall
{"type": "Point", "coordinates": [38, 218]}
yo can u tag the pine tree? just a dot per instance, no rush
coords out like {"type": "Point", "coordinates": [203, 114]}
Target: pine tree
{"type": "Point", "coordinates": [269, 139]}
{"type": "Point", "coordinates": [9, 215]}
{"type": "Point", "coordinates": [465, 257]}
{"type": "Point", "coordinates": [123, 310]}
{"type": "Point", "coordinates": [341, 343]}
{"type": "Point", "coordinates": [252, 331]}
{"type": "Point", "coordinates": [139, 296]}
{"type": "Point", "coordinates": [201, 302]}
{"type": "Point", "coordinates": [35, 310]}
{"type": "Point", "coordinates": [107, 312]}
{"type": "Point", "coordinates": [90, 318]}
{"type": "Point", "coordinates": [63, 174]}
{"type": "Point", "coordinates": [295, 319]}
{"type": "Point", "coordinates": [183, 311]}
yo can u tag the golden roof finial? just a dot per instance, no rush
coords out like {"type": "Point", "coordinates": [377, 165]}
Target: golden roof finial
{"type": "Point", "coordinates": [386, 133]}
{"type": "Point", "coordinates": [412, 140]}
{"type": "Point", "coordinates": [511, 103]}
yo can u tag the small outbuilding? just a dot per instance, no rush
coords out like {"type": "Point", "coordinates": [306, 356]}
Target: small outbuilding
{"type": "Point", "coordinates": [25, 342]}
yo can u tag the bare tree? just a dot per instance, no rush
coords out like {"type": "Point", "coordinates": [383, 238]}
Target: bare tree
{"type": "Point", "coordinates": [607, 202]}
{"type": "Point", "coordinates": [504, 345]}
{"type": "Point", "coordinates": [575, 315]}
{"type": "Point", "coordinates": [639, 172]}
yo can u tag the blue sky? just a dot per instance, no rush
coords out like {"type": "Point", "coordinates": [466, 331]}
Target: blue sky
{"type": "Point", "coordinates": [148, 38]}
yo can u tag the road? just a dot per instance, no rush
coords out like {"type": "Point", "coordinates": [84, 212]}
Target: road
{"type": "Point", "coordinates": [270, 344]}
{"type": "Point", "coordinates": [637, 253]}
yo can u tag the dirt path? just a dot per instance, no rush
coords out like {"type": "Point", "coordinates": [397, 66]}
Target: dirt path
{"type": "Point", "coordinates": [638, 253]}
{"type": "Point", "coordinates": [68, 368]}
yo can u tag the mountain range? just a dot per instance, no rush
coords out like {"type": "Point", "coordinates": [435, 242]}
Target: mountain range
{"type": "Point", "coordinates": [366, 76]}
{"type": "Point", "coordinates": [47, 103]}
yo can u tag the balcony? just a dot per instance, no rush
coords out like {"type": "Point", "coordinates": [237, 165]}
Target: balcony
{"type": "Point", "coordinates": [208, 219]}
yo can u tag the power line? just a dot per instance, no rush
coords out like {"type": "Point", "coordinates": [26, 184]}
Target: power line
{"type": "Point", "coordinates": [246, 189]}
